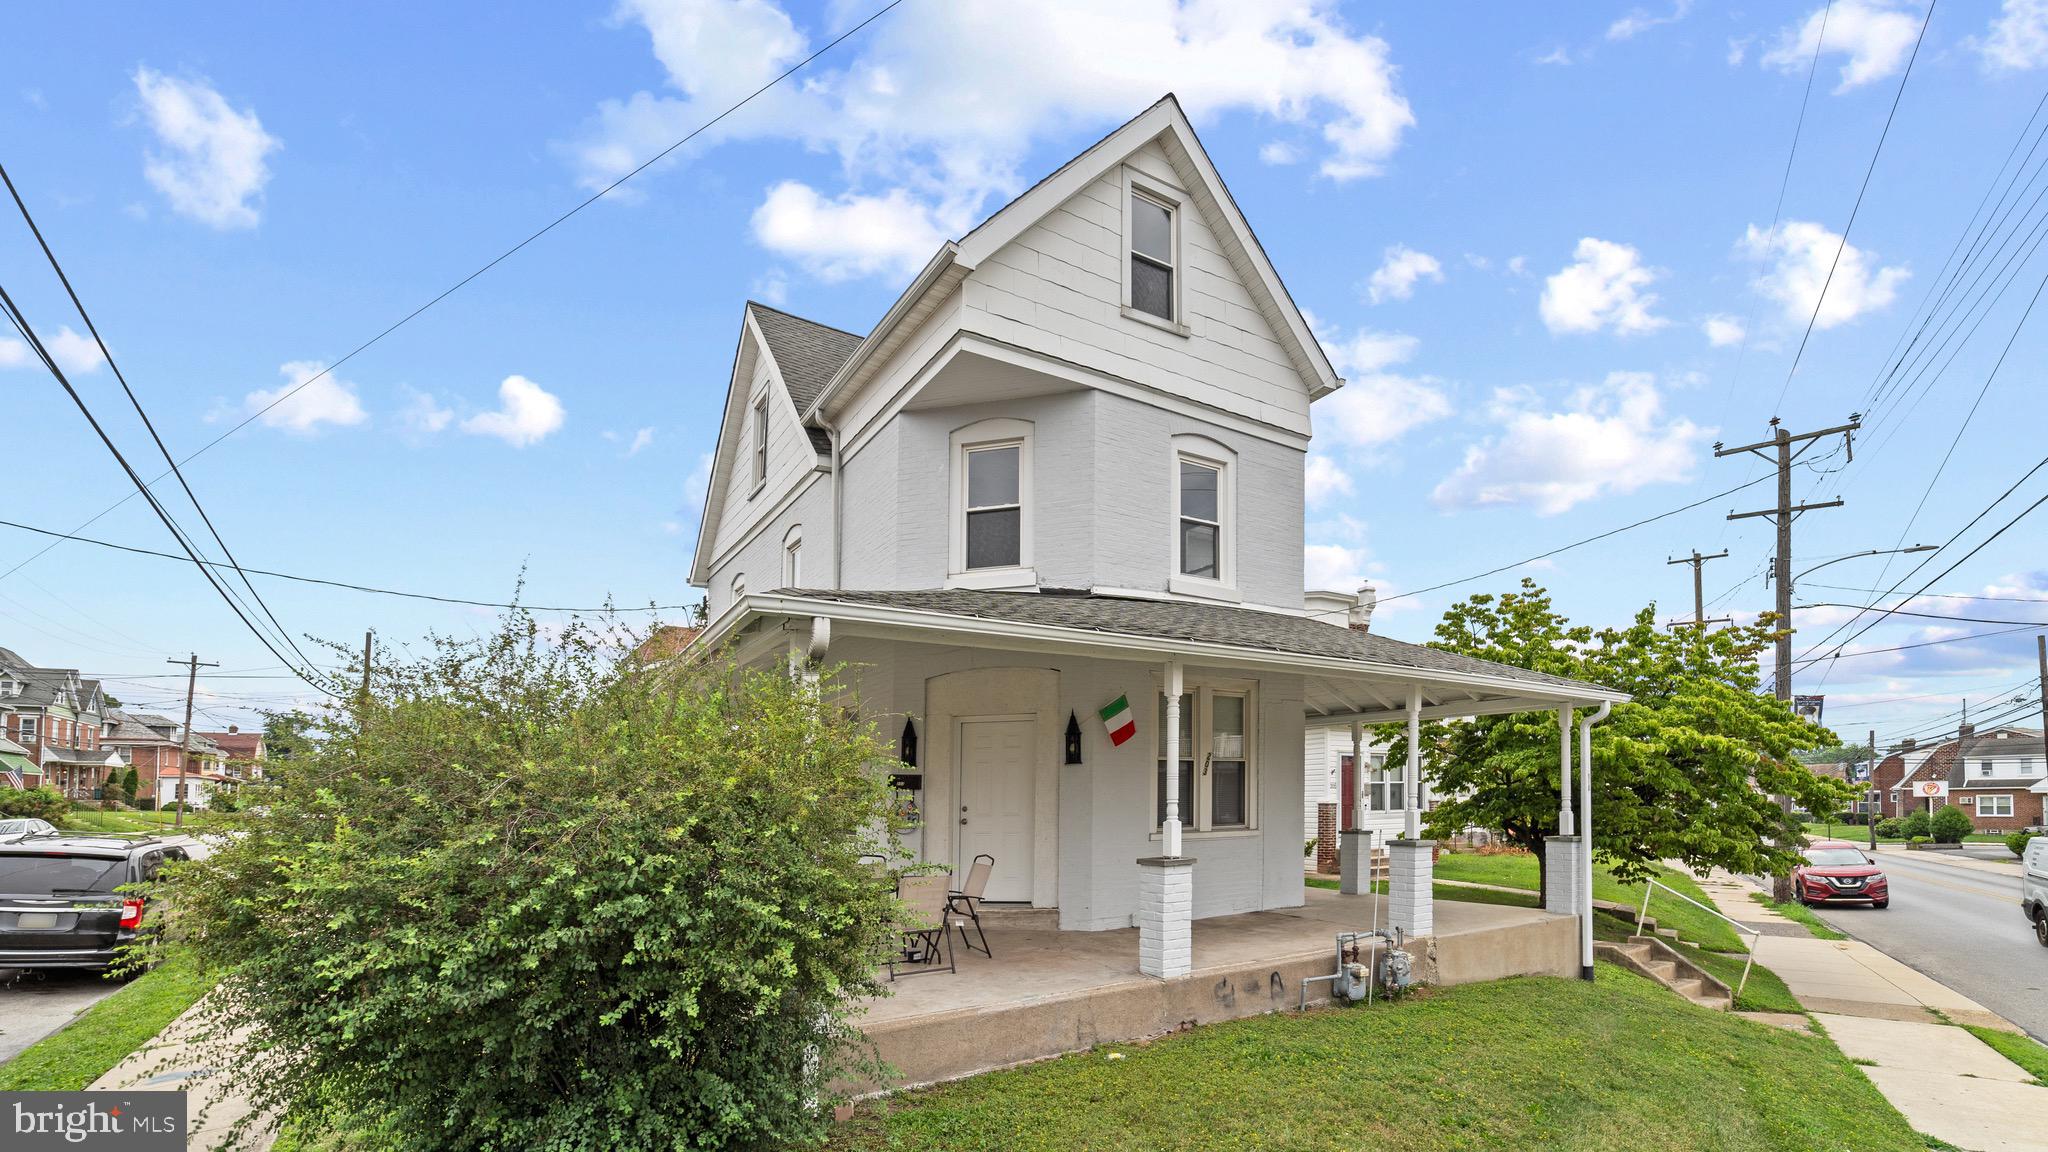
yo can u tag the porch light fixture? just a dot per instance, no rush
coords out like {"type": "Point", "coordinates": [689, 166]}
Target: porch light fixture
{"type": "Point", "coordinates": [909, 754]}
{"type": "Point", "coordinates": [1073, 738]}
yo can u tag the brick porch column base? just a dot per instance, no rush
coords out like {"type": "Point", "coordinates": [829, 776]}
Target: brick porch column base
{"type": "Point", "coordinates": [1166, 907]}
{"type": "Point", "coordinates": [1412, 871]}
{"type": "Point", "coordinates": [1561, 874]}
{"type": "Point", "coordinates": [1326, 838]}
{"type": "Point", "coordinates": [1355, 879]}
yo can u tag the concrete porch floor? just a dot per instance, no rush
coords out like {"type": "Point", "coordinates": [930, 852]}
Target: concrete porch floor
{"type": "Point", "coordinates": [1048, 992]}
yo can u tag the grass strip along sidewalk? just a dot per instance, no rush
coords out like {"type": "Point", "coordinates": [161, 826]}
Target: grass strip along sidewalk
{"type": "Point", "coordinates": [1517, 870]}
{"type": "Point", "coordinates": [1530, 1062]}
{"type": "Point", "coordinates": [2030, 1054]}
{"type": "Point", "coordinates": [103, 1035]}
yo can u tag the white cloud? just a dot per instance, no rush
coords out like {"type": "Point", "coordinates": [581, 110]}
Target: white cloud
{"type": "Point", "coordinates": [1559, 56]}
{"type": "Point", "coordinates": [526, 414]}
{"type": "Point", "coordinates": [772, 289]}
{"type": "Point", "coordinates": [1324, 478]}
{"type": "Point", "coordinates": [1799, 255]}
{"type": "Point", "coordinates": [303, 404]}
{"type": "Point", "coordinates": [1639, 21]}
{"type": "Point", "coordinates": [1399, 269]}
{"type": "Point", "coordinates": [2019, 37]}
{"type": "Point", "coordinates": [1333, 566]}
{"type": "Point", "coordinates": [911, 111]}
{"type": "Point", "coordinates": [1518, 265]}
{"type": "Point", "coordinates": [14, 354]}
{"type": "Point", "coordinates": [639, 440]}
{"type": "Point", "coordinates": [1875, 35]}
{"type": "Point", "coordinates": [1376, 406]}
{"type": "Point", "coordinates": [1738, 50]}
{"type": "Point", "coordinates": [1279, 152]}
{"type": "Point", "coordinates": [1613, 437]}
{"type": "Point", "coordinates": [76, 353]}
{"type": "Point", "coordinates": [852, 235]}
{"type": "Point", "coordinates": [1602, 288]}
{"type": "Point", "coordinates": [422, 415]}
{"type": "Point", "coordinates": [211, 161]}
{"type": "Point", "coordinates": [1722, 330]}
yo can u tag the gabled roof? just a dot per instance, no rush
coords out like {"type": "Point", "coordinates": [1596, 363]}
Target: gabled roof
{"type": "Point", "coordinates": [1167, 123]}
{"type": "Point", "coordinates": [807, 353]}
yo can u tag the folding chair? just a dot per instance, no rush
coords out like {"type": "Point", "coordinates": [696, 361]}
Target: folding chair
{"type": "Point", "coordinates": [966, 901]}
{"type": "Point", "coordinates": [926, 930]}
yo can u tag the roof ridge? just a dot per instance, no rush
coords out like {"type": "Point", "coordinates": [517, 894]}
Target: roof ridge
{"type": "Point", "coordinates": [752, 303]}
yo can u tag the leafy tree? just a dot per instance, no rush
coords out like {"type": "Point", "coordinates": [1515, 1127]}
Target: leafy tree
{"type": "Point", "coordinates": [131, 784]}
{"type": "Point", "coordinates": [288, 735]}
{"type": "Point", "coordinates": [43, 803]}
{"type": "Point", "coordinates": [525, 896]}
{"type": "Point", "coordinates": [1950, 824]}
{"type": "Point", "coordinates": [1835, 754]}
{"type": "Point", "coordinates": [1684, 771]}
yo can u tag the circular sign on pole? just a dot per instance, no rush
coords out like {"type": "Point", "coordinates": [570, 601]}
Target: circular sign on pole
{"type": "Point", "coordinates": [1931, 789]}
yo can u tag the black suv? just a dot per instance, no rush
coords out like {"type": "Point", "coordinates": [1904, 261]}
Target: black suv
{"type": "Point", "coordinates": [59, 907]}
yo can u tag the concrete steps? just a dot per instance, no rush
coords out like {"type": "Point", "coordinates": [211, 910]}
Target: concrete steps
{"type": "Point", "coordinates": [1651, 957]}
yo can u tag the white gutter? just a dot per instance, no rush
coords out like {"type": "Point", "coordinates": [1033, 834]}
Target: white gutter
{"type": "Point", "coordinates": [1586, 723]}
{"type": "Point", "coordinates": [933, 270]}
{"type": "Point", "coordinates": [1149, 650]}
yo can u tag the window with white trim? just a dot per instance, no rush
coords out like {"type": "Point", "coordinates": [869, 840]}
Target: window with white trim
{"type": "Point", "coordinates": [793, 557]}
{"type": "Point", "coordinates": [760, 441]}
{"type": "Point", "coordinates": [2000, 805]}
{"type": "Point", "coordinates": [1218, 759]}
{"type": "Point", "coordinates": [1983, 767]}
{"type": "Point", "coordinates": [28, 730]}
{"type": "Point", "coordinates": [991, 517]}
{"type": "Point", "coordinates": [1204, 514]}
{"type": "Point", "coordinates": [739, 587]}
{"type": "Point", "coordinates": [1153, 271]}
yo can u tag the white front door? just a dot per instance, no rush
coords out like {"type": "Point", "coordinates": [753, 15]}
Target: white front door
{"type": "Point", "coordinates": [996, 786]}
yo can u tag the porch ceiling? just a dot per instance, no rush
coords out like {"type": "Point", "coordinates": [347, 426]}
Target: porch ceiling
{"type": "Point", "coordinates": [1349, 675]}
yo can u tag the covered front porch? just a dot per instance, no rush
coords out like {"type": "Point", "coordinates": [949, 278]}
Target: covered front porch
{"type": "Point", "coordinates": [1046, 992]}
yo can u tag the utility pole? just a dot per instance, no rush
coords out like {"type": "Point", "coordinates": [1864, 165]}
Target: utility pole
{"type": "Point", "coordinates": [1870, 781]}
{"type": "Point", "coordinates": [192, 665]}
{"type": "Point", "coordinates": [2041, 651]}
{"type": "Point", "coordinates": [367, 634]}
{"type": "Point", "coordinates": [1699, 595]}
{"type": "Point", "coordinates": [1783, 456]}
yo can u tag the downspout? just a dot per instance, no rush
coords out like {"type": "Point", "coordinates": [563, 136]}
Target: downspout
{"type": "Point", "coordinates": [838, 505]}
{"type": "Point", "coordinates": [1586, 722]}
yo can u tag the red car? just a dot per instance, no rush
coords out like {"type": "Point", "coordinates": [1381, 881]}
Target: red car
{"type": "Point", "coordinates": [1838, 870]}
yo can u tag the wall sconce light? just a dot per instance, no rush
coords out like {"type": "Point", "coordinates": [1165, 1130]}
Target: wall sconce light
{"type": "Point", "coordinates": [909, 754]}
{"type": "Point", "coordinates": [1073, 738]}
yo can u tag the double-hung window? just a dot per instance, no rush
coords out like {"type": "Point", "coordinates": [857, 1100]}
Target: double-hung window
{"type": "Point", "coordinates": [991, 506]}
{"type": "Point", "coordinates": [1389, 785]}
{"type": "Point", "coordinates": [1152, 257]}
{"type": "Point", "coordinates": [1994, 805]}
{"type": "Point", "coordinates": [1216, 759]}
{"type": "Point", "coordinates": [1204, 501]}
{"type": "Point", "coordinates": [1201, 519]}
{"type": "Point", "coordinates": [760, 441]}
{"type": "Point", "coordinates": [28, 730]}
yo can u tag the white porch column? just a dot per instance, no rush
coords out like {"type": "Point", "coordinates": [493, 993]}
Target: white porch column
{"type": "Point", "coordinates": [1169, 832]}
{"type": "Point", "coordinates": [1411, 796]}
{"type": "Point", "coordinates": [1354, 844]}
{"type": "Point", "coordinates": [1564, 770]}
{"type": "Point", "coordinates": [1586, 723]}
{"type": "Point", "coordinates": [1166, 885]}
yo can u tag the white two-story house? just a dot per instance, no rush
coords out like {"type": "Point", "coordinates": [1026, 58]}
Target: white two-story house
{"type": "Point", "coordinates": [1062, 471]}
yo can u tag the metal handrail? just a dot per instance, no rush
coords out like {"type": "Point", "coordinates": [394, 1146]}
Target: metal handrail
{"type": "Point", "coordinates": [1754, 935]}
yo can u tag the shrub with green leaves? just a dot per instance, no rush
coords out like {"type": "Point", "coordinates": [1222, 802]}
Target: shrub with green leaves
{"type": "Point", "coordinates": [43, 803]}
{"type": "Point", "coordinates": [1950, 824]}
{"type": "Point", "coordinates": [1917, 825]}
{"type": "Point", "coordinates": [1891, 828]}
{"type": "Point", "coordinates": [527, 897]}
{"type": "Point", "coordinates": [2018, 842]}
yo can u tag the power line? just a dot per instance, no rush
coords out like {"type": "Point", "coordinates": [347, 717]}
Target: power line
{"type": "Point", "coordinates": [1920, 644]}
{"type": "Point", "coordinates": [1933, 615]}
{"type": "Point", "coordinates": [139, 551]}
{"type": "Point", "coordinates": [147, 423]}
{"type": "Point", "coordinates": [494, 262]}
{"type": "Point", "coordinates": [35, 342]}
{"type": "Point", "coordinates": [1858, 206]}
{"type": "Point", "coordinates": [1577, 543]}
{"type": "Point", "coordinates": [1932, 595]}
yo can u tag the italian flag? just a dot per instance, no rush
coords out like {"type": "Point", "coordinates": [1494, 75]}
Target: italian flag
{"type": "Point", "coordinates": [1117, 718]}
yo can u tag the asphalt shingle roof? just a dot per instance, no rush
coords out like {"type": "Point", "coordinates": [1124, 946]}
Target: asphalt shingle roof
{"type": "Point", "coordinates": [1200, 623]}
{"type": "Point", "coordinates": [808, 353]}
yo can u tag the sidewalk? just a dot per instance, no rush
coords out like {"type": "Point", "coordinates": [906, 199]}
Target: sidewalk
{"type": "Point", "coordinates": [1944, 1080]}
{"type": "Point", "coordinates": [170, 1062]}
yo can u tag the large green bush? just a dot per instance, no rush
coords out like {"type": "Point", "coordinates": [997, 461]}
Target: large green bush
{"type": "Point", "coordinates": [44, 803]}
{"type": "Point", "coordinates": [525, 898]}
{"type": "Point", "coordinates": [1891, 828]}
{"type": "Point", "coordinates": [1950, 824]}
{"type": "Point", "coordinates": [1917, 823]}
{"type": "Point", "coordinates": [2017, 841]}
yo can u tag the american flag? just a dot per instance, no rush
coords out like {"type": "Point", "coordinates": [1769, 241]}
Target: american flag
{"type": "Point", "coordinates": [14, 778]}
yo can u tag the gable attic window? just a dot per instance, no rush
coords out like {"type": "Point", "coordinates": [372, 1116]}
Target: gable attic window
{"type": "Point", "coordinates": [760, 442]}
{"type": "Point", "coordinates": [1152, 252]}
{"type": "Point", "coordinates": [990, 530]}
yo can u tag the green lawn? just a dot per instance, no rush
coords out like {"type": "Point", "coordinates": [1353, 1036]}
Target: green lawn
{"type": "Point", "coordinates": [94, 820]}
{"type": "Point", "coordinates": [1449, 892]}
{"type": "Point", "coordinates": [1800, 913]}
{"type": "Point", "coordinates": [1858, 834]}
{"type": "Point", "coordinates": [1763, 992]}
{"type": "Point", "coordinates": [2024, 1051]}
{"type": "Point", "coordinates": [80, 1052]}
{"type": "Point", "coordinates": [1515, 870]}
{"type": "Point", "coordinates": [1531, 1062]}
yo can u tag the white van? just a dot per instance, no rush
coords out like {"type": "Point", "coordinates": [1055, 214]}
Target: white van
{"type": "Point", "coordinates": [2034, 887]}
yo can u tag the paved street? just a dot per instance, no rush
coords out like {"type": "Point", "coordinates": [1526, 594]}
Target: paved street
{"type": "Point", "coordinates": [33, 1006]}
{"type": "Point", "coordinates": [1962, 926]}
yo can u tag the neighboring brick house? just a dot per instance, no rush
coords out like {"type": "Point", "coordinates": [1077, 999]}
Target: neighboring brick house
{"type": "Point", "coordinates": [57, 716]}
{"type": "Point", "coordinates": [241, 752]}
{"type": "Point", "coordinates": [1894, 773]}
{"type": "Point", "coordinates": [2000, 778]}
{"type": "Point", "coordinates": [155, 746]}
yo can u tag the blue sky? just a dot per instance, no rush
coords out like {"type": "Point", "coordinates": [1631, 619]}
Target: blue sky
{"type": "Point", "coordinates": [1538, 241]}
